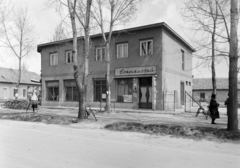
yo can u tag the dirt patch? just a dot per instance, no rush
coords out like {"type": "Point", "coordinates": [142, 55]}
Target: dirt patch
{"type": "Point", "coordinates": [196, 133]}
{"type": "Point", "coordinates": [45, 118]}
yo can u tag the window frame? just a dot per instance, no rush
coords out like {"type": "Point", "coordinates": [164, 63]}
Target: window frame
{"type": "Point", "coordinates": [125, 79]}
{"type": "Point", "coordinates": [145, 41]}
{"type": "Point", "coordinates": [202, 97]}
{"type": "Point", "coordinates": [5, 97]}
{"type": "Point", "coordinates": [183, 59]}
{"type": "Point", "coordinates": [71, 57]}
{"type": "Point", "coordinates": [102, 90]}
{"type": "Point", "coordinates": [47, 89]}
{"type": "Point", "coordinates": [24, 92]}
{"type": "Point", "coordinates": [72, 90]}
{"type": "Point", "coordinates": [101, 54]}
{"type": "Point", "coordinates": [122, 45]}
{"type": "Point", "coordinates": [55, 59]}
{"type": "Point", "coordinates": [15, 91]}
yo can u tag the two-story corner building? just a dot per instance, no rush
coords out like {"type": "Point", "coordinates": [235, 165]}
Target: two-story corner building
{"type": "Point", "coordinates": [147, 63]}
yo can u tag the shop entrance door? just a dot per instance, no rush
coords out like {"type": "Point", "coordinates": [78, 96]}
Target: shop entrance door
{"type": "Point", "coordinates": [145, 93]}
{"type": "Point", "coordinates": [182, 91]}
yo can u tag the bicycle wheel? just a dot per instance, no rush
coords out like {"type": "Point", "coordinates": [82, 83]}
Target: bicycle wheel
{"type": "Point", "coordinates": [3, 105]}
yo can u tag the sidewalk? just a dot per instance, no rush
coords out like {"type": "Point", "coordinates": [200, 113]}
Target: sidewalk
{"type": "Point", "coordinates": [178, 117]}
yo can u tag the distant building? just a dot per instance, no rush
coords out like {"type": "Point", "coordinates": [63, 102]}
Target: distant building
{"type": "Point", "coordinates": [151, 68]}
{"type": "Point", "coordinates": [8, 80]}
{"type": "Point", "coordinates": [202, 89]}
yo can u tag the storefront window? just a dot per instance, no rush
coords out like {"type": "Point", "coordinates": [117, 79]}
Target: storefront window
{"type": "Point", "coordinates": [71, 92]}
{"type": "Point", "coordinates": [100, 90]}
{"type": "Point", "coordinates": [52, 90]}
{"type": "Point", "coordinates": [125, 90]}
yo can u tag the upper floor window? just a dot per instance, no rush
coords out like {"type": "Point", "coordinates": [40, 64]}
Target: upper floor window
{"type": "Point", "coordinates": [183, 58]}
{"type": "Point", "coordinates": [146, 47]}
{"type": "Point", "coordinates": [100, 53]}
{"type": "Point", "coordinates": [53, 59]}
{"type": "Point", "coordinates": [122, 50]}
{"type": "Point", "coordinates": [69, 57]}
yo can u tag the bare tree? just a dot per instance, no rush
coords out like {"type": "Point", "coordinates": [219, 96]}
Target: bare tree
{"type": "Point", "coordinates": [24, 67]}
{"type": "Point", "coordinates": [59, 33]}
{"type": "Point", "coordinates": [208, 21]}
{"type": "Point", "coordinates": [79, 12]}
{"type": "Point", "coordinates": [117, 12]}
{"type": "Point", "coordinates": [233, 69]}
{"type": "Point", "coordinates": [17, 34]}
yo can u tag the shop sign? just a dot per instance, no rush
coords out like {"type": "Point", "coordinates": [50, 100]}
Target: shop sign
{"type": "Point", "coordinates": [135, 71]}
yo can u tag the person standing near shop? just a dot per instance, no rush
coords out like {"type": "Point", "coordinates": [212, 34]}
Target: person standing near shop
{"type": "Point", "coordinates": [34, 100]}
{"type": "Point", "coordinates": [213, 108]}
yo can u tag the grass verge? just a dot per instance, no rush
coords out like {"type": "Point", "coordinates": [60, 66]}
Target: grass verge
{"type": "Point", "coordinates": [197, 133]}
{"type": "Point", "coordinates": [35, 117]}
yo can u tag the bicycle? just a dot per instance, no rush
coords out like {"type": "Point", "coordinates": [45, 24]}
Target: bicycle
{"type": "Point", "coordinates": [90, 111]}
{"type": "Point", "coordinates": [205, 112]}
{"type": "Point", "coordinates": [15, 104]}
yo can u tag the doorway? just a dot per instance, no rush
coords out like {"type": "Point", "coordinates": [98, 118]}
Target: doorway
{"type": "Point", "coordinates": [182, 93]}
{"type": "Point", "coordinates": [145, 92]}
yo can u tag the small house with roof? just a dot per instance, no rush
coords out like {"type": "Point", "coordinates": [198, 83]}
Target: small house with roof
{"type": "Point", "coordinates": [8, 80]}
{"type": "Point", "coordinates": [202, 89]}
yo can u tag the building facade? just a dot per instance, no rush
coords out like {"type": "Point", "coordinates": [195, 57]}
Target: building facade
{"type": "Point", "coordinates": [202, 89]}
{"type": "Point", "coordinates": [147, 63]}
{"type": "Point", "coordinates": [8, 80]}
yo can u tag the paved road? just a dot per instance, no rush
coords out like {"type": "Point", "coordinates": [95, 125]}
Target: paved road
{"type": "Point", "coordinates": [33, 145]}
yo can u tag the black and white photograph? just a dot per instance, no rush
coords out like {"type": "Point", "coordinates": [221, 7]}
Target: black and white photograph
{"type": "Point", "coordinates": [119, 84]}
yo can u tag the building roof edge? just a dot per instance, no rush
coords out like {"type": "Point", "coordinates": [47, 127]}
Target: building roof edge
{"type": "Point", "coordinates": [161, 24]}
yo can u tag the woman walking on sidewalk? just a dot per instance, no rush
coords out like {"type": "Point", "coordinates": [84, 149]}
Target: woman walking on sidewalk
{"type": "Point", "coordinates": [213, 108]}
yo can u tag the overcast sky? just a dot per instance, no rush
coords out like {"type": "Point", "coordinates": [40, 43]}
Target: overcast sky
{"type": "Point", "coordinates": [154, 11]}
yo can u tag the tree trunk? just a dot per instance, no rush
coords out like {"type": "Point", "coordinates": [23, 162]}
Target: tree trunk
{"type": "Point", "coordinates": [76, 67]}
{"type": "Point", "coordinates": [233, 69]}
{"type": "Point", "coordinates": [86, 51]}
{"type": "Point", "coordinates": [19, 77]}
{"type": "Point", "coordinates": [213, 65]}
{"type": "Point", "coordinates": [213, 52]}
{"type": "Point", "coordinates": [81, 92]}
{"type": "Point", "coordinates": [108, 100]}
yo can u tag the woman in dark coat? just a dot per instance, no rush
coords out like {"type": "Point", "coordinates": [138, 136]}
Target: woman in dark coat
{"type": "Point", "coordinates": [213, 108]}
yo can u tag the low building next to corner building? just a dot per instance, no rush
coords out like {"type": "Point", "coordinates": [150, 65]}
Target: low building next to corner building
{"type": "Point", "coordinates": [151, 68]}
{"type": "Point", "coordinates": [8, 81]}
{"type": "Point", "coordinates": [202, 89]}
